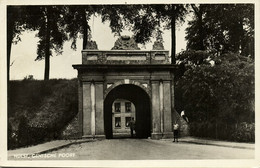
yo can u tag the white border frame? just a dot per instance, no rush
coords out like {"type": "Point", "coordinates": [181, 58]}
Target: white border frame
{"type": "Point", "coordinates": [100, 163]}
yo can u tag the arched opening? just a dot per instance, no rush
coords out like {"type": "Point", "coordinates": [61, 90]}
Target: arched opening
{"type": "Point", "coordinates": [141, 102]}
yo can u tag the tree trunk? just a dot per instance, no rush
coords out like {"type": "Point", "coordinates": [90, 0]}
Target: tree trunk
{"type": "Point", "coordinates": [10, 27]}
{"type": "Point", "coordinates": [242, 44]}
{"type": "Point", "coordinates": [201, 36]}
{"type": "Point", "coordinates": [173, 23]}
{"type": "Point", "coordinates": [47, 48]}
{"type": "Point", "coordinates": [237, 33]}
{"type": "Point", "coordinates": [198, 12]}
{"type": "Point", "coordinates": [173, 59]}
{"type": "Point", "coordinates": [85, 30]}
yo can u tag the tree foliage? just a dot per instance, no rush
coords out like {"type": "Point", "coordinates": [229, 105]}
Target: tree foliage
{"type": "Point", "coordinates": [54, 22]}
{"type": "Point", "coordinates": [152, 18]}
{"type": "Point", "coordinates": [223, 27]}
{"type": "Point", "coordinates": [218, 90]}
{"type": "Point", "coordinates": [77, 23]}
{"type": "Point", "coordinates": [145, 21]}
{"type": "Point", "coordinates": [215, 81]}
{"type": "Point", "coordinates": [50, 32]}
{"type": "Point", "coordinates": [196, 33]}
{"type": "Point", "coordinates": [49, 24]}
{"type": "Point", "coordinates": [77, 19]}
{"type": "Point", "coordinates": [17, 22]}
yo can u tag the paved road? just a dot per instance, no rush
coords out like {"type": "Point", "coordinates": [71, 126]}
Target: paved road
{"type": "Point", "coordinates": [143, 149]}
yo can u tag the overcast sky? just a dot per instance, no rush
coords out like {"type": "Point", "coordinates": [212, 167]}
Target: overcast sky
{"type": "Point", "coordinates": [23, 54]}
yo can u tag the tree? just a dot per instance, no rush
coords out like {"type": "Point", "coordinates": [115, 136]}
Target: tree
{"type": "Point", "coordinates": [77, 22]}
{"type": "Point", "coordinates": [144, 20]}
{"type": "Point", "coordinates": [47, 20]}
{"type": "Point", "coordinates": [16, 21]}
{"type": "Point", "coordinates": [77, 19]}
{"type": "Point", "coordinates": [10, 31]}
{"type": "Point", "coordinates": [120, 17]}
{"type": "Point", "coordinates": [234, 33]}
{"type": "Point", "coordinates": [51, 33]}
{"type": "Point", "coordinates": [178, 12]}
{"type": "Point", "coordinates": [196, 30]}
{"type": "Point", "coordinates": [152, 17]}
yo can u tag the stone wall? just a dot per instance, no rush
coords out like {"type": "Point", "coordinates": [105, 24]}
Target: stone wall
{"type": "Point", "coordinates": [184, 126]}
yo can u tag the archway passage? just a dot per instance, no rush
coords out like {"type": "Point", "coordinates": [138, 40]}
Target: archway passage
{"type": "Point", "coordinates": [141, 101]}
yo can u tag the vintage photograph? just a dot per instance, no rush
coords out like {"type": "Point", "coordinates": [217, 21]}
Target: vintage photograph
{"type": "Point", "coordinates": [158, 81]}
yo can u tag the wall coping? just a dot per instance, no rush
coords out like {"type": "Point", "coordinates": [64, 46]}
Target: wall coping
{"type": "Point", "coordinates": [88, 50]}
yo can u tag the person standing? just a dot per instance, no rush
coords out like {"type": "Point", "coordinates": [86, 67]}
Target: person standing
{"type": "Point", "coordinates": [132, 126]}
{"type": "Point", "coordinates": [175, 131]}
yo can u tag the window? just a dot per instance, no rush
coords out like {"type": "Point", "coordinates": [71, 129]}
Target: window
{"type": "Point", "coordinates": [127, 107]}
{"type": "Point", "coordinates": [117, 122]}
{"type": "Point", "coordinates": [127, 121]}
{"type": "Point", "coordinates": [117, 107]}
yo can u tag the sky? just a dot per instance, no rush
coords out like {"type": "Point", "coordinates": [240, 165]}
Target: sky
{"type": "Point", "coordinates": [23, 54]}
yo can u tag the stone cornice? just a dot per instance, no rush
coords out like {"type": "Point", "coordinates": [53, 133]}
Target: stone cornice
{"type": "Point", "coordinates": [125, 57]}
{"type": "Point", "coordinates": [157, 67]}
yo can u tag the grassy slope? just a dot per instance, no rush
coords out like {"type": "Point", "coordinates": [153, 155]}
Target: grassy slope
{"type": "Point", "coordinates": [45, 104]}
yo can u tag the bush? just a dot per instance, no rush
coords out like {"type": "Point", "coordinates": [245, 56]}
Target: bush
{"type": "Point", "coordinates": [12, 137]}
{"type": "Point", "coordinates": [216, 92]}
{"type": "Point", "coordinates": [243, 132]}
{"type": "Point", "coordinates": [28, 135]}
{"type": "Point", "coordinates": [23, 132]}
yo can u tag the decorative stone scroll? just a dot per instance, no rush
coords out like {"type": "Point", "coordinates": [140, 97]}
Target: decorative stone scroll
{"type": "Point", "coordinates": [157, 45]}
{"type": "Point", "coordinates": [125, 43]}
{"type": "Point", "coordinates": [92, 45]}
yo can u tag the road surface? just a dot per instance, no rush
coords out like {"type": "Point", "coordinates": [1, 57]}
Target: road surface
{"type": "Point", "coordinates": [146, 149]}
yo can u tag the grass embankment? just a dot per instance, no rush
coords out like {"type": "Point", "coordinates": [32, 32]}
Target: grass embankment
{"type": "Point", "coordinates": [39, 111]}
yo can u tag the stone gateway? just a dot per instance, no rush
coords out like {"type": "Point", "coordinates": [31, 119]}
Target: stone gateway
{"type": "Point", "coordinates": [125, 83]}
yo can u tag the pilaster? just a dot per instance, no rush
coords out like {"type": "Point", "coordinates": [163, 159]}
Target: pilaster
{"type": "Point", "coordinates": [93, 108]}
{"type": "Point", "coordinates": [99, 109]}
{"type": "Point", "coordinates": [80, 108]}
{"type": "Point", "coordinates": [156, 121]}
{"type": "Point", "coordinates": [86, 109]}
{"type": "Point", "coordinates": [167, 118]}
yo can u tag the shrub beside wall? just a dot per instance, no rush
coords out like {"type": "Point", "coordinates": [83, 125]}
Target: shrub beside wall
{"type": "Point", "coordinates": [242, 132]}
{"type": "Point", "coordinates": [71, 130]}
